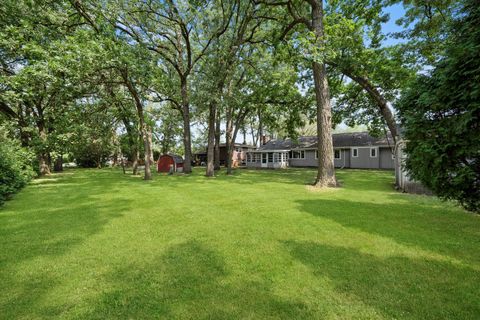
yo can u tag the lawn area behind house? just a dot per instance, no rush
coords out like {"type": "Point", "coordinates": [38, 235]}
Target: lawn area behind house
{"type": "Point", "coordinates": [102, 245]}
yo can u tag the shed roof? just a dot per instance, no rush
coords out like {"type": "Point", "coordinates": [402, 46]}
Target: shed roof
{"type": "Point", "coordinates": [354, 139]}
{"type": "Point", "coordinates": [177, 158]}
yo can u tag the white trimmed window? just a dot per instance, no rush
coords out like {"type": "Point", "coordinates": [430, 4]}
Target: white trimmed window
{"type": "Point", "coordinates": [298, 154]}
{"type": "Point", "coordinates": [373, 152]}
{"type": "Point", "coordinates": [336, 154]}
{"type": "Point", "coordinates": [355, 152]}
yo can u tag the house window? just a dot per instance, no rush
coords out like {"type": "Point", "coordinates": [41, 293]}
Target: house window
{"type": "Point", "coordinates": [298, 154]}
{"type": "Point", "coordinates": [337, 155]}
{"type": "Point", "coordinates": [355, 152]}
{"type": "Point", "coordinates": [270, 157]}
{"type": "Point", "coordinates": [316, 154]}
{"type": "Point", "coordinates": [373, 152]}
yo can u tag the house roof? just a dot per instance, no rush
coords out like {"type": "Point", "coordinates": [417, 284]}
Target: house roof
{"type": "Point", "coordinates": [354, 139]}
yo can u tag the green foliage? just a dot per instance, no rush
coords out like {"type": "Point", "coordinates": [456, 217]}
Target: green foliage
{"type": "Point", "coordinates": [15, 166]}
{"type": "Point", "coordinates": [441, 117]}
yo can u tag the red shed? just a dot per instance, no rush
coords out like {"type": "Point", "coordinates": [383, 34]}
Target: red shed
{"type": "Point", "coordinates": [170, 160]}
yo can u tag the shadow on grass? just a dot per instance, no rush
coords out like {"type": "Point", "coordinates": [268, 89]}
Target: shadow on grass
{"type": "Point", "coordinates": [189, 281]}
{"type": "Point", "coordinates": [396, 287]}
{"type": "Point", "coordinates": [429, 227]}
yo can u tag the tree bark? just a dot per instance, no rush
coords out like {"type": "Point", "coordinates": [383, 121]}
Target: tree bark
{"type": "Point", "coordinates": [211, 140]}
{"type": "Point", "coordinates": [217, 141]}
{"type": "Point", "coordinates": [58, 165]}
{"type": "Point", "coordinates": [187, 137]}
{"type": "Point", "coordinates": [228, 140]}
{"type": "Point", "coordinates": [142, 124]}
{"type": "Point", "coordinates": [150, 145]}
{"type": "Point", "coordinates": [326, 169]}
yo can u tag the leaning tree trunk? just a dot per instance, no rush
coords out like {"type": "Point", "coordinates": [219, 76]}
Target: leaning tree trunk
{"type": "Point", "coordinates": [211, 141]}
{"type": "Point", "coordinates": [326, 169]}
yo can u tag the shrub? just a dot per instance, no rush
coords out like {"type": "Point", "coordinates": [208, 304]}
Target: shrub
{"type": "Point", "coordinates": [15, 166]}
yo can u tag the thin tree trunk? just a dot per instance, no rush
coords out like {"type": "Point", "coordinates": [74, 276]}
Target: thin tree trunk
{"type": "Point", "coordinates": [150, 145]}
{"type": "Point", "coordinates": [228, 140]}
{"type": "Point", "coordinates": [217, 141]}
{"type": "Point", "coordinates": [211, 140]}
{"type": "Point", "coordinates": [326, 169]}
{"type": "Point", "coordinates": [187, 144]}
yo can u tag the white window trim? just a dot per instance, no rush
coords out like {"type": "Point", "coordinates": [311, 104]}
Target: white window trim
{"type": "Point", "coordinates": [339, 153]}
{"type": "Point", "coordinates": [353, 153]}
{"type": "Point", "coordinates": [301, 154]}
{"type": "Point", "coordinates": [376, 152]}
{"type": "Point", "coordinates": [316, 154]}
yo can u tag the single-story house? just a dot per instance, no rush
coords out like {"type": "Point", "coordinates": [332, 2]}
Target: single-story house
{"type": "Point", "coordinates": [239, 155]}
{"type": "Point", "coordinates": [170, 163]}
{"type": "Point", "coordinates": [351, 150]}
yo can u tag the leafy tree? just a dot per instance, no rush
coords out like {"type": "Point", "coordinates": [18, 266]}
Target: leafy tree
{"type": "Point", "coordinates": [441, 116]}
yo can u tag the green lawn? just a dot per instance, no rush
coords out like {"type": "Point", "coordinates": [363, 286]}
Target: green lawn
{"type": "Point", "coordinates": [96, 244]}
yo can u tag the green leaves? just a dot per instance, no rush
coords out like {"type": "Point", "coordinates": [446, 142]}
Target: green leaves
{"type": "Point", "coordinates": [441, 118]}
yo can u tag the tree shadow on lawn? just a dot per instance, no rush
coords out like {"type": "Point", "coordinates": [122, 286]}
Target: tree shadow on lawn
{"type": "Point", "coordinates": [397, 287]}
{"type": "Point", "coordinates": [449, 231]}
{"type": "Point", "coordinates": [189, 281]}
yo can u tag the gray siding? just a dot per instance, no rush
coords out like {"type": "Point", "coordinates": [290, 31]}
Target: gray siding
{"type": "Point", "coordinates": [386, 161]}
{"type": "Point", "coordinates": [344, 161]}
{"type": "Point", "coordinates": [364, 161]}
{"type": "Point", "coordinates": [309, 160]}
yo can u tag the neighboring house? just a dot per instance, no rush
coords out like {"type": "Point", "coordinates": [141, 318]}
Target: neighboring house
{"type": "Point", "coordinates": [239, 155]}
{"type": "Point", "coordinates": [351, 150]}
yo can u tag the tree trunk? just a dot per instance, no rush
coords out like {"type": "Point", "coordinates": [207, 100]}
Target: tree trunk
{"type": "Point", "coordinates": [381, 103]}
{"type": "Point", "coordinates": [148, 172]}
{"type": "Point", "coordinates": [150, 145]}
{"type": "Point", "coordinates": [211, 140]}
{"type": "Point", "coordinates": [135, 157]}
{"type": "Point", "coordinates": [228, 140]}
{"type": "Point", "coordinates": [133, 144]}
{"type": "Point", "coordinates": [187, 144]}
{"type": "Point", "coordinates": [58, 165]}
{"type": "Point", "coordinates": [326, 169]}
{"type": "Point", "coordinates": [217, 141]}
{"type": "Point", "coordinates": [143, 126]}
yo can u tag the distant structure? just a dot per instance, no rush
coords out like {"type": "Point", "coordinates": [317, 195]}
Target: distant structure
{"type": "Point", "coordinates": [170, 163]}
{"type": "Point", "coordinates": [239, 155]}
{"type": "Point", "coordinates": [351, 150]}
{"type": "Point", "coordinates": [402, 179]}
